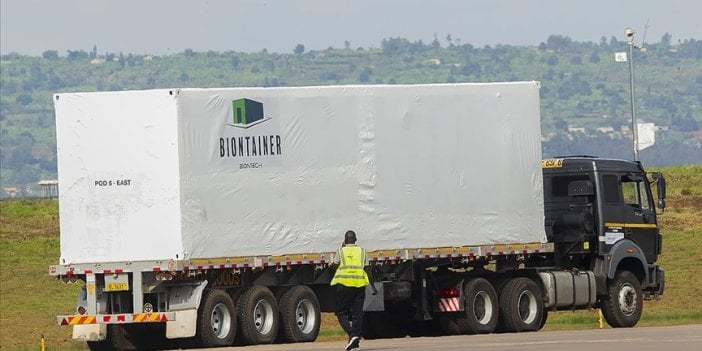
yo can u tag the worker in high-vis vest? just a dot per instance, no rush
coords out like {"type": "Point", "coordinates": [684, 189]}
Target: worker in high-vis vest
{"type": "Point", "coordinates": [351, 280]}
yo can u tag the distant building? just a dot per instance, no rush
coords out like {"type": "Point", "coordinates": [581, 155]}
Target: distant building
{"type": "Point", "coordinates": [49, 188]}
{"type": "Point", "coordinates": [572, 129]}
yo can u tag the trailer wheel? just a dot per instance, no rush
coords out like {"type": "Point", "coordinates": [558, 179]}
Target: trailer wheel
{"type": "Point", "coordinates": [521, 305]}
{"type": "Point", "coordinates": [623, 305]}
{"type": "Point", "coordinates": [300, 316]}
{"type": "Point", "coordinates": [216, 320]}
{"type": "Point", "coordinates": [107, 344]}
{"type": "Point", "coordinates": [126, 337]}
{"type": "Point", "coordinates": [258, 316]}
{"type": "Point", "coordinates": [118, 338]}
{"type": "Point", "coordinates": [481, 310]}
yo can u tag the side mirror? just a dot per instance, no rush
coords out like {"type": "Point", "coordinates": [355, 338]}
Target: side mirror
{"type": "Point", "coordinates": [659, 179]}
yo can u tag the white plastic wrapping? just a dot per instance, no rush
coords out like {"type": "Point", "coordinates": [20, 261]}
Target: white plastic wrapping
{"type": "Point", "coordinates": [404, 166]}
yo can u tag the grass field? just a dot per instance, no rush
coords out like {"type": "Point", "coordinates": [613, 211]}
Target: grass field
{"type": "Point", "coordinates": [30, 299]}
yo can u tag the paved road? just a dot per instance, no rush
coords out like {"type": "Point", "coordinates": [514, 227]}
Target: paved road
{"type": "Point", "coordinates": [678, 338]}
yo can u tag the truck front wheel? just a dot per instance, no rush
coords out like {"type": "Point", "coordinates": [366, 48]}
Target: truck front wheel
{"type": "Point", "coordinates": [258, 316]}
{"type": "Point", "coordinates": [623, 305]}
{"type": "Point", "coordinates": [521, 305]}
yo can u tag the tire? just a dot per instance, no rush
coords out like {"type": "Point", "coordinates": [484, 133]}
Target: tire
{"type": "Point", "coordinates": [258, 316]}
{"type": "Point", "coordinates": [521, 305]}
{"type": "Point", "coordinates": [452, 323]}
{"type": "Point", "coordinates": [117, 338]}
{"type": "Point", "coordinates": [623, 305]}
{"type": "Point", "coordinates": [481, 306]}
{"type": "Point", "coordinates": [300, 316]}
{"type": "Point", "coordinates": [216, 320]}
{"type": "Point", "coordinates": [480, 310]}
{"type": "Point", "coordinates": [132, 337]}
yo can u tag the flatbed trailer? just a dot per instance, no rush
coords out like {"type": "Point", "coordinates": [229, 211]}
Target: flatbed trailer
{"type": "Point", "coordinates": [211, 217]}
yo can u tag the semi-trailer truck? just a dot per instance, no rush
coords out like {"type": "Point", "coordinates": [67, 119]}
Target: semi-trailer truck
{"type": "Point", "coordinates": [211, 216]}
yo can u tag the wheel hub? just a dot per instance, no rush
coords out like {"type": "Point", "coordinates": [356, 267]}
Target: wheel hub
{"type": "Point", "coordinates": [482, 308]}
{"type": "Point", "coordinates": [263, 317]}
{"type": "Point", "coordinates": [627, 299]}
{"type": "Point", "coordinates": [527, 307]}
{"type": "Point", "coordinates": [220, 320]}
{"type": "Point", "coordinates": [305, 316]}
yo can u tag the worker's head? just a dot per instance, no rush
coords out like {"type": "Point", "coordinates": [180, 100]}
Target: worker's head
{"type": "Point", "coordinates": [350, 237]}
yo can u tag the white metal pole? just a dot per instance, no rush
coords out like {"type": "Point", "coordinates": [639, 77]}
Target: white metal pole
{"type": "Point", "coordinates": [634, 126]}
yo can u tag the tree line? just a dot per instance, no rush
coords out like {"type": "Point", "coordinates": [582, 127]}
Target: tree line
{"type": "Point", "coordinates": [582, 87]}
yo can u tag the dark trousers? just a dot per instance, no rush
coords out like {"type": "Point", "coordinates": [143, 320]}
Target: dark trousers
{"type": "Point", "coordinates": [349, 309]}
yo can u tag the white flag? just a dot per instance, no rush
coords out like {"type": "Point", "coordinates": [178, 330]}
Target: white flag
{"type": "Point", "coordinates": [647, 135]}
{"type": "Point", "coordinates": [620, 56]}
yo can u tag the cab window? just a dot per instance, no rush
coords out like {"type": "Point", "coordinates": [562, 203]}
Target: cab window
{"type": "Point", "coordinates": [627, 190]}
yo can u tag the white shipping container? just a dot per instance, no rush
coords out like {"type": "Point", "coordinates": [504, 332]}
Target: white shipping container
{"type": "Point", "coordinates": [205, 173]}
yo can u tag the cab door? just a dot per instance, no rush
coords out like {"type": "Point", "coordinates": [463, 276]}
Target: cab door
{"type": "Point", "coordinates": [629, 213]}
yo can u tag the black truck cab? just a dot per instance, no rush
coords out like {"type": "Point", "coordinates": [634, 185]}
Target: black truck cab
{"type": "Point", "coordinates": [601, 216]}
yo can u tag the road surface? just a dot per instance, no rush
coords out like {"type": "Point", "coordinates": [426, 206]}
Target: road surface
{"type": "Point", "coordinates": [678, 338]}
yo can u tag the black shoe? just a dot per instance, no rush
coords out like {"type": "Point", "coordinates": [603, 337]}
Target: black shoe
{"type": "Point", "coordinates": [353, 343]}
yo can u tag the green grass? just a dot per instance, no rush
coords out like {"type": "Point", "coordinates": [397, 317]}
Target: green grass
{"type": "Point", "coordinates": [30, 300]}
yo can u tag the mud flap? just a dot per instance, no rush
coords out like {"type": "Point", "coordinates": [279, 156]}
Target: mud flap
{"type": "Point", "coordinates": [90, 332]}
{"type": "Point", "coordinates": [374, 303]}
{"type": "Point", "coordinates": [184, 325]}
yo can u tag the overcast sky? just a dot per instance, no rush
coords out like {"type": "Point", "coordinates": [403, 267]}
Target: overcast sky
{"type": "Point", "coordinates": [170, 26]}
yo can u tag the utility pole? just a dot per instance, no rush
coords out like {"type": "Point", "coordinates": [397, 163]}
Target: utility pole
{"type": "Point", "coordinates": [634, 126]}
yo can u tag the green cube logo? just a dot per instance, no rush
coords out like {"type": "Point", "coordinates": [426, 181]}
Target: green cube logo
{"type": "Point", "coordinates": [247, 112]}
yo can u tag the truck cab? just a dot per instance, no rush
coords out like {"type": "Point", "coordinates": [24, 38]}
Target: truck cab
{"type": "Point", "coordinates": [601, 216]}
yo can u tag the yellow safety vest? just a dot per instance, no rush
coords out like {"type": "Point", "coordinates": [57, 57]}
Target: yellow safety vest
{"type": "Point", "coordinates": [350, 273]}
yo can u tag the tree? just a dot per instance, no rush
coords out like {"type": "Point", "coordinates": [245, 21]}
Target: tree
{"type": "Point", "coordinates": [364, 76]}
{"type": "Point", "coordinates": [50, 55]}
{"type": "Point", "coordinates": [552, 60]}
{"type": "Point", "coordinates": [595, 57]}
{"type": "Point", "coordinates": [75, 55]}
{"type": "Point", "coordinates": [665, 40]}
{"type": "Point", "coordinates": [560, 124]}
{"type": "Point", "coordinates": [24, 99]}
{"type": "Point", "coordinates": [576, 60]}
{"type": "Point", "coordinates": [299, 49]}
{"type": "Point", "coordinates": [603, 41]}
{"type": "Point", "coordinates": [435, 43]}
{"type": "Point", "coordinates": [558, 42]}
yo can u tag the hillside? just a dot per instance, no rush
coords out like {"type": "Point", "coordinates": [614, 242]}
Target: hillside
{"type": "Point", "coordinates": [30, 299]}
{"type": "Point", "coordinates": [585, 94]}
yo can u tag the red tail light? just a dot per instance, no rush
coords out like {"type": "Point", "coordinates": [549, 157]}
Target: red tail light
{"type": "Point", "coordinates": [450, 292]}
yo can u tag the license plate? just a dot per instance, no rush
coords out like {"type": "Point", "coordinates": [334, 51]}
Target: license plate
{"type": "Point", "coordinates": [117, 287]}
